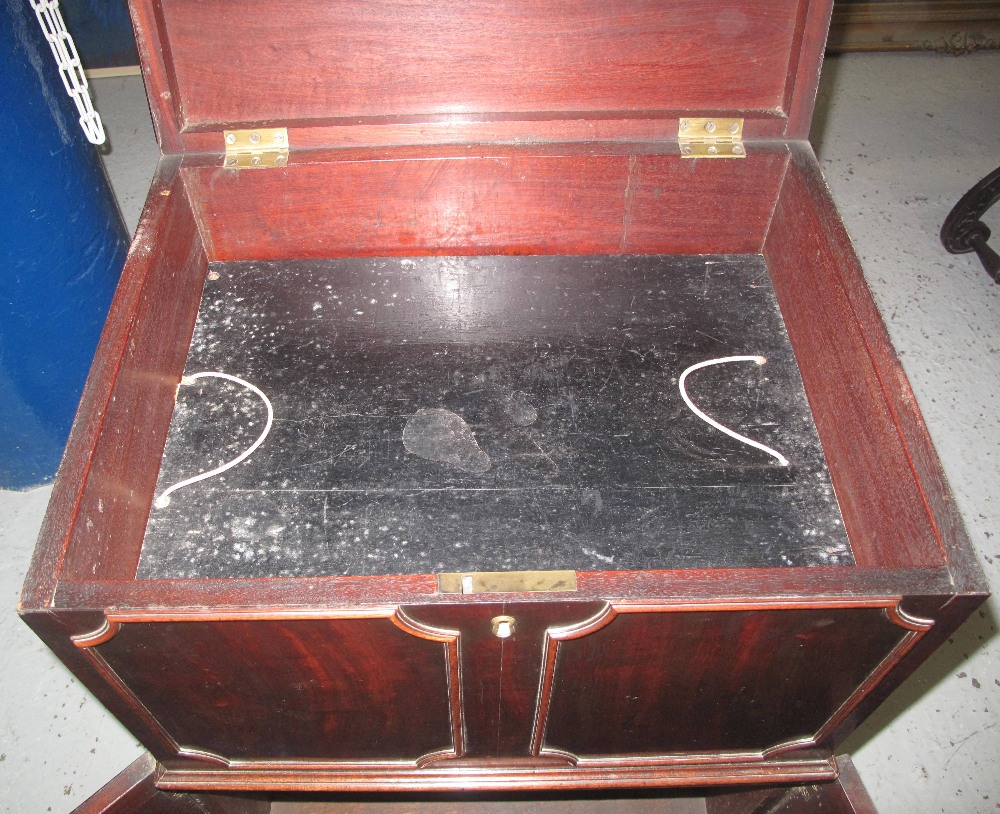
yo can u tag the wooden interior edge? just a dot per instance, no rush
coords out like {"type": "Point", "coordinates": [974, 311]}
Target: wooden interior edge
{"type": "Point", "coordinates": [930, 513]}
{"type": "Point", "coordinates": [152, 64]}
{"type": "Point", "coordinates": [805, 67]}
{"type": "Point", "coordinates": [86, 563]}
{"type": "Point", "coordinates": [551, 199]}
{"type": "Point", "coordinates": [149, 327]}
{"type": "Point", "coordinates": [914, 435]}
{"type": "Point", "coordinates": [767, 119]}
{"type": "Point", "coordinates": [920, 590]}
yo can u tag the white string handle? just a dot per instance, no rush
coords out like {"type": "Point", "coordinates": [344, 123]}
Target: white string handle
{"type": "Point", "coordinates": [164, 498]}
{"type": "Point", "coordinates": [64, 50]}
{"type": "Point", "coordinates": [711, 421]}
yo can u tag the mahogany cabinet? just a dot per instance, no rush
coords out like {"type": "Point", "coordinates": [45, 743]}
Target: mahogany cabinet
{"type": "Point", "coordinates": [570, 449]}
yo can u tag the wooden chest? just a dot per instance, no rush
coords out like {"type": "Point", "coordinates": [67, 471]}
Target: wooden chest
{"type": "Point", "coordinates": [559, 441]}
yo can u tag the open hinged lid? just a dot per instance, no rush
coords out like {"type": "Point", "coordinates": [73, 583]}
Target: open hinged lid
{"type": "Point", "coordinates": [343, 72]}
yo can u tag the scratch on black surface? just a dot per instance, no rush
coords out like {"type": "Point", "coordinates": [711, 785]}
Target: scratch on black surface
{"type": "Point", "coordinates": [709, 336]}
{"type": "Point", "coordinates": [555, 331]}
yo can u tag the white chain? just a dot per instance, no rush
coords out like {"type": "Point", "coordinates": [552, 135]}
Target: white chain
{"type": "Point", "coordinates": [70, 69]}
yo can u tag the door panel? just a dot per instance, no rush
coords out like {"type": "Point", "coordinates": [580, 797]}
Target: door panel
{"type": "Point", "coordinates": [665, 683]}
{"type": "Point", "coordinates": [357, 689]}
{"type": "Point", "coordinates": [500, 676]}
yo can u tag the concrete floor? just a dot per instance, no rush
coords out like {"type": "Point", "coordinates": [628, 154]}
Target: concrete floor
{"type": "Point", "coordinates": [901, 138]}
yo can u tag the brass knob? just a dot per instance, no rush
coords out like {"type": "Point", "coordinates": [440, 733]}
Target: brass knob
{"type": "Point", "coordinates": [503, 626]}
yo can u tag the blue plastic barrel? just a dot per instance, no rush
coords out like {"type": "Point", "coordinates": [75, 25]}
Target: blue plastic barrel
{"type": "Point", "coordinates": [62, 248]}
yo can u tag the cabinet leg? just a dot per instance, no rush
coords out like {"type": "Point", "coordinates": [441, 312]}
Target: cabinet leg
{"type": "Point", "coordinates": [134, 791]}
{"type": "Point", "coordinates": [846, 795]}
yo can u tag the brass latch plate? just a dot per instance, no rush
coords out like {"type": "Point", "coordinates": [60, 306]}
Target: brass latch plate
{"type": "Point", "coordinates": [498, 582]}
{"type": "Point", "coordinates": [259, 148]}
{"type": "Point", "coordinates": [711, 138]}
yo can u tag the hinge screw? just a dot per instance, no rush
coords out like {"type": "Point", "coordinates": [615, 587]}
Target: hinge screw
{"type": "Point", "coordinates": [737, 149]}
{"type": "Point", "coordinates": [709, 127]}
{"type": "Point", "coordinates": [255, 160]}
{"type": "Point", "coordinates": [230, 162]}
{"type": "Point", "coordinates": [734, 128]}
{"type": "Point", "coordinates": [685, 125]}
{"type": "Point", "coordinates": [230, 138]}
{"type": "Point", "coordinates": [712, 149]}
{"type": "Point", "coordinates": [278, 138]}
{"type": "Point", "coordinates": [255, 138]}
{"type": "Point", "coordinates": [279, 159]}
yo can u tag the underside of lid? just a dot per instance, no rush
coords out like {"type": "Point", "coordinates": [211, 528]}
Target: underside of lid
{"type": "Point", "coordinates": [520, 70]}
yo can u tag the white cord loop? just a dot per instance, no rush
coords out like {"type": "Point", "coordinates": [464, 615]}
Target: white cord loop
{"type": "Point", "coordinates": [164, 499]}
{"type": "Point", "coordinates": [64, 50]}
{"type": "Point", "coordinates": [711, 421]}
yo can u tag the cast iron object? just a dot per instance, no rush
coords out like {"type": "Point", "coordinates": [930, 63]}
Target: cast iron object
{"type": "Point", "coordinates": [963, 231]}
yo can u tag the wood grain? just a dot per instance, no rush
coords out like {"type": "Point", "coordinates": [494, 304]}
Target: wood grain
{"type": "Point", "coordinates": [650, 683]}
{"type": "Point", "coordinates": [344, 64]}
{"type": "Point", "coordinates": [500, 676]}
{"type": "Point", "coordinates": [308, 682]}
{"type": "Point", "coordinates": [248, 690]}
{"type": "Point", "coordinates": [134, 791]}
{"type": "Point", "coordinates": [187, 598]}
{"type": "Point", "coordinates": [139, 365]}
{"type": "Point", "coordinates": [500, 202]}
{"type": "Point", "coordinates": [91, 447]}
{"type": "Point", "coordinates": [846, 795]}
{"type": "Point", "coordinates": [882, 502]}
{"type": "Point", "coordinates": [925, 467]}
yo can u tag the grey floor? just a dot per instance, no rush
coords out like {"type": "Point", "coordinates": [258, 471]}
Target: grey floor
{"type": "Point", "coordinates": [901, 138]}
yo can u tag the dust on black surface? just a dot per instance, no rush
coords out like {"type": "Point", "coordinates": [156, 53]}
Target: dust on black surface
{"type": "Point", "coordinates": [546, 426]}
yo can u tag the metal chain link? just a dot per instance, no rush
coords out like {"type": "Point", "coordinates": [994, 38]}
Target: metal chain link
{"type": "Point", "coordinates": [70, 69]}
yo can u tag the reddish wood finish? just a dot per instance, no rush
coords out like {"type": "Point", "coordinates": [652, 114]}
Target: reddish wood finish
{"type": "Point", "coordinates": [250, 690]}
{"type": "Point", "coordinates": [500, 676]}
{"type": "Point", "coordinates": [381, 683]}
{"type": "Point", "coordinates": [824, 222]}
{"type": "Point", "coordinates": [882, 503]}
{"type": "Point", "coordinates": [134, 791]}
{"type": "Point", "coordinates": [185, 599]}
{"type": "Point", "coordinates": [138, 366]}
{"type": "Point", "coordinates": [341, 67]}
{"type": "Point", "coordinates": [498, 775]}
{"type": "Point", "coordinates": [245, 687]}
{"type": "Point", "coordinates": [650, 682]}
{"type": "Point", "coordinates": [804, 69]}
{"type": "Point", "coordinates": [503, 201]}
{"type": "Point", "coordinates": [498, 723]}
{"type": "Point", "coordinates": [162, 216]}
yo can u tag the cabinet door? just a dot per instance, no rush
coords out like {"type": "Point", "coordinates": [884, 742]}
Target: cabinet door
{"type": "Point", "coordinates": [412, 693]}
{"type": "Point", "coordinates": [682, 683]}
{"type": "Point", "coordinates": [362, 687]}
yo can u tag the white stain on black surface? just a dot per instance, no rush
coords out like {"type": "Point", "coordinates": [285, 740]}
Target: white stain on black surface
{"type": "Point", "coordinates": [570, 446]}
{"type": "Point", "coordinates": [443, 436]}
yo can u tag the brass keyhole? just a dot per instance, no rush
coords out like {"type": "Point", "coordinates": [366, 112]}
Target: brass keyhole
{"type": "Point", "coordinates": [503, 626]}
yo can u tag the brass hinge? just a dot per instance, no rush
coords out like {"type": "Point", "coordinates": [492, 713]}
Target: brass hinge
{"type": "Point", "coordinates": [256, 149]}
{"type": "Point", "coordinates": [711, 138]}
